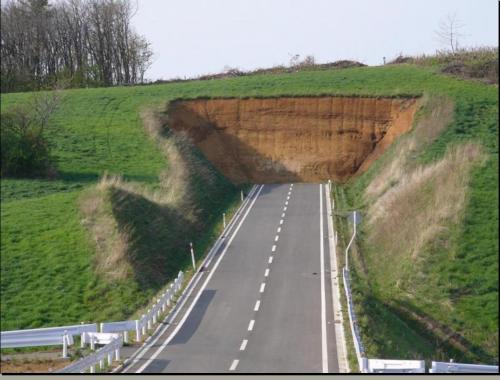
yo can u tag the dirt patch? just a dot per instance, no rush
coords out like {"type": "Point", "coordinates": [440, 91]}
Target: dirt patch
{"type": "Point", "coordinates": [300, 139]}
{"type": "Point", "coordinates": [32, 366]}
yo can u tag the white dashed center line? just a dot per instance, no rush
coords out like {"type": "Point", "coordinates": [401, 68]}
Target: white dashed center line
{"type": "Point", "coordinates": [286, 203]}
{"type": "Point", "coordinates": [270, 259]}
{"type": "Point", "coordinates": [276, 238]}
{"type": "Point", "coordinates": [243, 345]}
{"type": "Point", "coordinates": [266, 274]}
{"type": "Point", "coordinates": [283, 215]}
{"type": "Point", "coordinates": [257, 305]}
{"type": "Point", "coordinates": [281, 221]}
{"type": "Point", "coordinates": [279, 229]}
{"type": "Point", "coordinates": [273, 249]}
{"type": "Point", "coordinates": [250, 325]}
{"type": "Point", "coordinates": [234, 365]}
{"type": "Point", "coordinates": [262, 287]}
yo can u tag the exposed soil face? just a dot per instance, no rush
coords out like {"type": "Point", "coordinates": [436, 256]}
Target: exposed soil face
{"type": "Point", "coordinates": [299, 139]}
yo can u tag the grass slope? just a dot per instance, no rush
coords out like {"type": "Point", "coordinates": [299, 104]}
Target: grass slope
{"type": "Point", "coordinates": [98, 130]}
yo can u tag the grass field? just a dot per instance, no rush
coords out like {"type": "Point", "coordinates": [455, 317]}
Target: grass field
{"type": "Point", "coordinates": [47, 254]}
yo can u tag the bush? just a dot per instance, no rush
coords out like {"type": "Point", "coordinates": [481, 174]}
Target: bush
{"type": "Point", "coordinates": [25, 152]}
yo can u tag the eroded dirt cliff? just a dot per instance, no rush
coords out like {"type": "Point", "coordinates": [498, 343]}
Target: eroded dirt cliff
{"type": "Point", "coordinates": [299, 139]}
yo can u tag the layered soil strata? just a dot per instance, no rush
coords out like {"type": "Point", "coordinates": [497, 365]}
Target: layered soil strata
{"type": "Point", "coordinates": [297, 139]}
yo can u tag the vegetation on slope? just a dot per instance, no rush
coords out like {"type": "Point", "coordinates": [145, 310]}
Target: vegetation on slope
{"type": "Point", "coordinates": [100, 130]}
{"type": "Point", "coordinates": [426, 264]}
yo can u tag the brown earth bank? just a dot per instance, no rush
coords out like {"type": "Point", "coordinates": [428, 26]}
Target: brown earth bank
{"type": "Point", "coordinates": [296, 139]}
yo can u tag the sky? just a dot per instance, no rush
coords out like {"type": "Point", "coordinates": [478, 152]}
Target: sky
{"type": "Point", "coordinates": [195, 37]}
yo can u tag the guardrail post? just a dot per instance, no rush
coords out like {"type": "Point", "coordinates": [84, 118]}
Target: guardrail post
{"type": "Point", "coordinates": [65, 344]}
{"type": "Point", "coordinates": [149, 321]}
{"type": "Point", "coordinates": [82, 339]}
{"type": "Point", "coordinates": [137, 331]}
{"type": "Point", "coordinates": [101, 364]}
{"type": "Point", "coordinates": [92, 342]}
{"type": "Point", "coordinates": [125, 336]}
{"type": "Point", "coordinates": [117, 353]}
{"type": "Point", "coordinates": [92, 368]}
{"type": "Point", "coordinates": [110, 358]}
{"type": "Point", "coordinates": [164, 303]}
{"type": "Point", "coordinates": [143, 326]}
{"type": "Point", "coordinates": [101, 327]}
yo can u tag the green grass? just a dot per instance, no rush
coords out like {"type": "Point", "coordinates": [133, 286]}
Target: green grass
{"type": "Point", "coordinates": [99, 130]}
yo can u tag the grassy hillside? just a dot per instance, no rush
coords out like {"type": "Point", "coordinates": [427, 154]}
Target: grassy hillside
{"type": "Point", "coordinates": [48, 255]}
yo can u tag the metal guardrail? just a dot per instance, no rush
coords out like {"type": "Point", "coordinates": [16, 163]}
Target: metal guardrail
{"type": "Point", "coordinates": [394, 366]}
{"type": "Point", "coordinates": [443, 367]}
{"type": "Point", "coordinates": [51, 336]}
{"type": "Point", "coordinates": [109, 352]}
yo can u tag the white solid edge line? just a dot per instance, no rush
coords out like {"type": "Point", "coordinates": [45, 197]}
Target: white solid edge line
{"type": "Point", "coordinates": [179, 325]}
{"type": "Point", "coordinates": [337, 307]}
{"type": "Point", "coordinates": [262, 287]}
{"type": "Point", "coordinates": [234, 364]}
{"type": "Point", "coordinates": [243, 345]}
{"type": "Point", "coordinates": [250, 325]}
{"type": "Point", "coordinates": [148, 345]}
{"type": "Point", "coordinates": [257, 305]}
{"type": "Point", "coordinates": [324, 349]}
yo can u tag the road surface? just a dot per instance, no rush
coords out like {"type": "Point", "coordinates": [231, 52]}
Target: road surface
{"type": "Point", "coordinates": [265, 301]}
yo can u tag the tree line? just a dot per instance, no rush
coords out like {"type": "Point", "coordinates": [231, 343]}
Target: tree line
{"type": "Point", "coordinates": [75, 42]}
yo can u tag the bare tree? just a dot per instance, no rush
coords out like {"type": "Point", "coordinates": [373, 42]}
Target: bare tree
{"type": "Point", "coordinates": [88, 42]}
{"type": "Point", "coordinates": [448, 32]}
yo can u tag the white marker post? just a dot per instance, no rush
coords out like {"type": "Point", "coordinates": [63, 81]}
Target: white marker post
{"type": "Point", "coordinates": [192, 256]}
{"type": "Point", "coordinates": [242, 195]}
{"type": "Point", "coordinates": [224, 219]}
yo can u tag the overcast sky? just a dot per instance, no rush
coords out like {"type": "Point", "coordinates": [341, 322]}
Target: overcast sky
{"type": "Point", "coordinates": [193, 37]}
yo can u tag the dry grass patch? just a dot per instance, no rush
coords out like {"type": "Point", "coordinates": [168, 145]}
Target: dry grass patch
{"type": "Point", "coordinates": [421, 205]}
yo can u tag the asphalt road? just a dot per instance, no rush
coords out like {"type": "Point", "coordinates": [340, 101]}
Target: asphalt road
{"type": "Point", "coordinates": [265, 305]}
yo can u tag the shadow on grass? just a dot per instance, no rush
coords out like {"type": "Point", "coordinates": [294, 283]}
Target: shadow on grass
{"type": "Point", "coordinates": [401, 331]}
{"type": "Point", "coordinates": [158, 237]}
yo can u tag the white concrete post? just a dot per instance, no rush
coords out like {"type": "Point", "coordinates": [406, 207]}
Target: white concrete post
{"type": "Point", "coordinates": [143, 326]}
{"type": "Point", "coordinates": [164, 302]}
{"type": "Point", "coordinates": [137, 331]}
{"type": "Point", "coordinates": [92, 342]}
{"type": "Point", "coordinates": [149, 321]}
{"type": "Point", "coordinates": [242, 195]}
{"type": "Point", "coordinates": [224, 219]}
{"type": "Point", "coordinates": [169, 297]}
{"type": "Point", "coordinates": [154, 318]}
{"type": "Point", "coordinates": [125, 336]}
{"type": "Point", "coordinates": [117, 354]}
{"type": "Point", "coordinates": [82, 339]}
{"type": "Point", "coordinates": [92, 368]}
{"type": "Point", "coordinates": [110, 358]}
{"type": "Point", "coordinates": [101, 364]}
{"type": "Point", "coordinates": [65, 344]}
{"type": "Point", "coordinates": [192, 256]}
